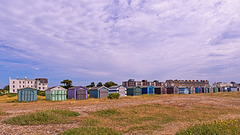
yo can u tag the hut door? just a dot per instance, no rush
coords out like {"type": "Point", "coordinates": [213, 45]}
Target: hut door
{"type": "Point", "coordinates": [103, 93]}
{"type": "Point", "coordinates": [81, 94]}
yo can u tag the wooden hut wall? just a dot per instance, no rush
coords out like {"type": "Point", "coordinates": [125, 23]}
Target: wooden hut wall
{"type": "Point", "coordinates": [163, 90]}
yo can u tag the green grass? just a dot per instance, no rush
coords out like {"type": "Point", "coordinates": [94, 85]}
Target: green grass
{"type": "Point", "coordinates": [91, 131]}
{"type": "Point", "coordinates": [12, 94]}
{"type": "Point", "coordinates": [229, 127]}
{"type": "Point", "coordinates": [43, 117]}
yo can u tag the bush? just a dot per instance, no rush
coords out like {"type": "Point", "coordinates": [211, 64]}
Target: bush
{"type": "Point", "coordinates": [41, 93]}
{"type": "Point", "coordinates": [114, 96]}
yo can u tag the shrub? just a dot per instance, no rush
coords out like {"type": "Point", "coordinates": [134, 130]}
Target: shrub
{"type": "Point", "coordinates": [41, 93]}
{"type": "Point", "coordinates": [43, 117]}
{"type": "Point", "coordinates": [114, 96]}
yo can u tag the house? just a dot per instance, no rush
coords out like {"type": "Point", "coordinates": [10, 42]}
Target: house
{"type": "Point", "coordinates": [118, 89]}
{"type": "Point", "coordinates": [78, 93]}
{"type": "Point", "coordinates": [38, 83]}
{"type": "Point", "coordinates": [27, 94]}
{"type": "Point", "coordinates": [98, 92]}
{"type": "Point", "coordinates": [56, 93]}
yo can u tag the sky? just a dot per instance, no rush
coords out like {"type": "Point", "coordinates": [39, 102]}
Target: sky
{"type": "Point", "coordinates": [114, 40]}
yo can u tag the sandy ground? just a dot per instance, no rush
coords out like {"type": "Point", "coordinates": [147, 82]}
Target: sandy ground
{"type": "Point", "coordinates": [91, 105]}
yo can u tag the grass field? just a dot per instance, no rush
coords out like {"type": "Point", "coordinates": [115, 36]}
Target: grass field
{"type": "Point", "coordinates": [146, 114]}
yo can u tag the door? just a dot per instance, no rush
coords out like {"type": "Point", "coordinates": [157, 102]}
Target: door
{"type": "Point", "coordinates": [103, 93]}
{"type": "Point", "coordinates": [81, 94]}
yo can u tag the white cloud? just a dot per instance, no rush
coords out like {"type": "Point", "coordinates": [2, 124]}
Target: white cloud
{"type": "Point", "coordinates": [121, 39]}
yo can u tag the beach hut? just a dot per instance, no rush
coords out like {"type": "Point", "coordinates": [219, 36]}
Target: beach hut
{"type": "Point", "coordinates": [215, 89]}
{"type": "Point", "coordinates": [192, 90]}
{"type": "Point", "coordinates": [134, 91]}
{"type": "Point", "coordinates": [183, 90]}
{"type": "Point", "coordinates": [148, 90]}
{"type": "Point", "coordinates": [158, 90]}
{"type": "Point", "coordinates": [98, 92]}
{"type": "Point", "coordinates": [78, 93]}
{"type": "Point", "coordinates": [172, 90]}
{"type": "Point", "coordinates": [163, 90]}
{"type": "Point", "coordinates": [206, 90]}
{"type": "Point", "coordinates": [56, 93]}
{"type": "Point", "coordinates": [211, 90]}
{"type": "Point", "coordinates": [233, 89]}
{"type": "Point", "coordinates": [27, 94]}
{"type": "Point", "coordinates": [118, 89]}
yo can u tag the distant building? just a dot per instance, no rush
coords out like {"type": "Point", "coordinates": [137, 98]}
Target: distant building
{"type": "Point", "coordinates": [38, 83]}
{"type": "Point", "coordinates": [143, 83]}
{"type": "Point", "coordinates": [225, 84]}
{"type": "Point", "coordinates": [187, 83]}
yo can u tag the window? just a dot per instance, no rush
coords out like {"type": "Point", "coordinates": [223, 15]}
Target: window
{"type": "Point", "coordinates": [13, 90]}
{"type": "Point", "coordinates": [23, 82]}
{"type": "Point", "coordinates": [43, 88]}
{"type": "Point", "coordinates": [20, 82]}
{"type": "Point", "coordinates": [13, 82]}
{"type": "Point", "coordinates": [28, 82]}
{"type": "Point", "coordinates": [39, 84]}
{"type": "Point", "coordinates": [43, 84]}
{"type": "Point", "coordinates": [13, 86]}
{"type": "Point", "coordinates": [19, 86]}
{"type": "Point", "coordinates": [23, 86]}
{"type": "Point", "coordinates": [39, 88]}
{"type": "Point", "coordinates": [31, 82]}
{"type": "Point", "coordinates": [31, 86]}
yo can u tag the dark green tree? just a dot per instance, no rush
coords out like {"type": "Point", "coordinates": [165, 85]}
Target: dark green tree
{"type": "Point", "coordinates": [99, 84]}
{"type": "Point", "coordinates": [67, 83]}
{"type": "Point", "coordinates": [6, 87]}
{"type": "Point", "coordinates": [91, 85]}
{"type": "Point", "coordinates": [109, 84]}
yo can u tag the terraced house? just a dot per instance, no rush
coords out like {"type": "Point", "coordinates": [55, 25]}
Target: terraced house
{"type": "Point", "coordinates": [38, 83]}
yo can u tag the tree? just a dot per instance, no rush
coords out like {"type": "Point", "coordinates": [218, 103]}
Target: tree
{"type": "Point", "coordinates": [67, 83]}
{"type": "Point", "coordinates": [109, 84]}
{"type": "Point", "coordinates": [91, 85]}
{"type": "Point", "coordinates": [99, 84]}
{"type": "Point", "coordinates": [6, 87]}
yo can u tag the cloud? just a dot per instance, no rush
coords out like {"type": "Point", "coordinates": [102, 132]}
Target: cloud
{"type": "Point", "coordinates": [121, 39]}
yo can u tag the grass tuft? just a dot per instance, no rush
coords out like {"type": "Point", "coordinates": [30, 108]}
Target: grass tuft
{"type": "Point", "coordinates": [107, 112]}
{"type": "Point", "coordinates": [228, 127]}
{"type": "Point", "coordinates": [2, 113]}
{"type": "Point", "coordinates": [43, 117]}
{"type": "Point", "coordinates": [91, 131]}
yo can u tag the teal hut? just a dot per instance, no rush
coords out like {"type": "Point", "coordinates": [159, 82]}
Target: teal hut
{"type": "Point", "coordinates": [27, 94]}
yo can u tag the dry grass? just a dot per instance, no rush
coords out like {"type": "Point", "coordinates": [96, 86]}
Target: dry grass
{"type": "Point", "coordinates": [146, 118]}
{"type": "Point", "coordinates": [146, 114]}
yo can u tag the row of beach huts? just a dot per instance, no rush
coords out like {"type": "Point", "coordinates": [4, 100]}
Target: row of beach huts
{"type": "Point", "coordinates": [59, 93]}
